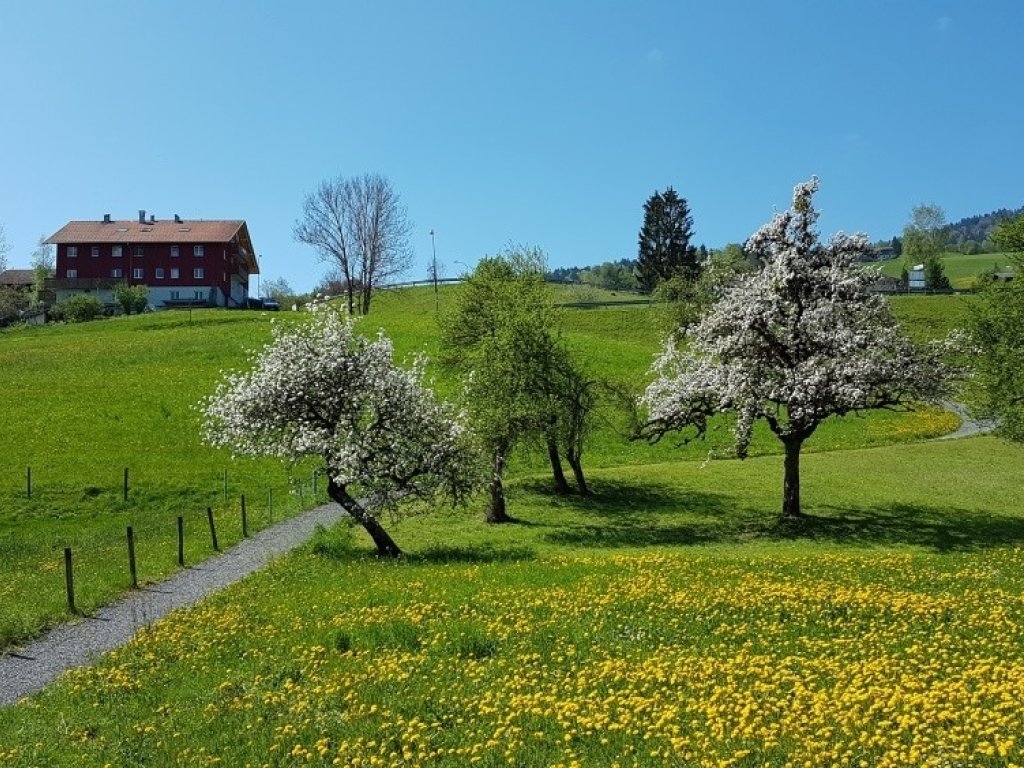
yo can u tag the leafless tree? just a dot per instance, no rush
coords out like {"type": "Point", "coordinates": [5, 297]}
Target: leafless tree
{"type": "Point", "coordinates": [4, 248]}
{"type": "Point", "coordinates": [359, 225]}
{"type": "Point", "coordinates": [279, 290]}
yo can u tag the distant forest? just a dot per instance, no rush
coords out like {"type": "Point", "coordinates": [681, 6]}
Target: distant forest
{"type": "Point", "coordinates": [968, 235]}
{"type": "Point", "coordinates": [572, 274]}
{"type": "Point", "coordinates": [978, 228]}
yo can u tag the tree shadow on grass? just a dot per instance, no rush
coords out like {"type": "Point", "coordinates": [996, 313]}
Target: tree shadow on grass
{"type": "Point", "coordinates": [338, 544]}
{"type": "Point", "coordinates": [942, 529]}
{"type": "Point", "coordinates": [626, 514]}
{"type": "Point", "coordinates": [619, 498]}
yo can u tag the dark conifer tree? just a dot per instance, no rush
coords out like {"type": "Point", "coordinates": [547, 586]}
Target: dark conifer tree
{"type": "Point", "coordinates": [665, 249]}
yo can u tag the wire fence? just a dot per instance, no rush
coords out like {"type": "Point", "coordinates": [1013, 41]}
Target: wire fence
{"type": "Point", "coordinates": [54, 561]}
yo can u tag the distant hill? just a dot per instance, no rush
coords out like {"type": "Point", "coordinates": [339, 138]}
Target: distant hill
{"type": "Point", "coordinates": [978, 228]}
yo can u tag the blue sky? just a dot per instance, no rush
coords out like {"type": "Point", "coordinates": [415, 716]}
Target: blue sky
{"type": "Point", "coordinates": [543, 123]}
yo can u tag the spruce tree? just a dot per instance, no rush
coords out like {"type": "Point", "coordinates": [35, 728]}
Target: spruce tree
{"type": "Point", "coordinates": [665, 249]}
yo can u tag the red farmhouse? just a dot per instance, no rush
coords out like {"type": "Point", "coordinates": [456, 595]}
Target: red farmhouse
{"type": "Point", "coordinates": [180, 262]}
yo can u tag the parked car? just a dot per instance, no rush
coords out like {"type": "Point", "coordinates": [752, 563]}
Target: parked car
{"type": "Point", "coordinates": [271, 305]}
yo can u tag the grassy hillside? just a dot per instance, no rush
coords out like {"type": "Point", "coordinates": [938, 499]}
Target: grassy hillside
{"type": "Point", "coordinates": [960, 269]}
{"type": "Point", "coordinates": [84, 402]}
{"type": "Point", "coordinates": [670, 620]}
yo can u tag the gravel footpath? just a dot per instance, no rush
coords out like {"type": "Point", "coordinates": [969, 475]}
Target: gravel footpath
{"type": "Point", "coordinates": [29, 668]}
{"type": "Point", "coordinates": [968, 426]}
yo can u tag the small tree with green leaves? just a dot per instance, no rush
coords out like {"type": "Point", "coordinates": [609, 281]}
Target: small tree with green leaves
{"type": "Point", "coordinates": [79, 308]}
{"type": "Point", "coordinates": [924, 241]}
{"type": "Point", "coordinates": [612, 275]}
{"type": "Point", "coordinates": [686, 300]}
{"type": "Point", "coordinates": [577, 396]}
{"type": "Point", "coordinates": [1009, 236]}
{"type": "Point", "coordinates": [997, 330]}
{"type": "Point", "coordinates": [499, 337]}
{"type": "Point", "coordinates": [132, 298]}
{"type": "Point", "coordinates": [935, 276]}
{"type": "Point", "coordinates": [12, 302]}
{"type": "Point", "coordinates": [42, 269]}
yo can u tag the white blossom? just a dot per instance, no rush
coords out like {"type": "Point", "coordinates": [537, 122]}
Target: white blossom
{"type": "Point", "coordinates": [321, 389]}
{"type": "Point", "coordinates": [794, 343]}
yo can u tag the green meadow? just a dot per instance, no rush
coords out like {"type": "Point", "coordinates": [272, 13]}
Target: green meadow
{"type": "Point", "coordinates": [669, 619]}
{"type": "Point", "coordinates": [85, 402]}
{"type": "Point", "coordinates": [961, 269]}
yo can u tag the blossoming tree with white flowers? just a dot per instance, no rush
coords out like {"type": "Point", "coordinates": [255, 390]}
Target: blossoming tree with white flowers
{"type": "Point", "coordinates": [321, 389]}
{"type": "Point", "coordinates": [800, 340]}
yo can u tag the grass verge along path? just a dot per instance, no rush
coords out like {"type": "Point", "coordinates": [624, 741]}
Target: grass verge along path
{"type": "Point", "coordinates": [71, 645]}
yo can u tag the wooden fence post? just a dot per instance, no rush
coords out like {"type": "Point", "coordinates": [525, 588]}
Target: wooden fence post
{"type": "Point", "coordinates": [181, 541]}
{"type": "Point", "coordinates": [213, 529]}
{"type": "Point", "coordinates": [131, 558]}
{"type": "Point", "coordinates": [69, 580]}
{"type": "Point", "coordinates": [126, 483]}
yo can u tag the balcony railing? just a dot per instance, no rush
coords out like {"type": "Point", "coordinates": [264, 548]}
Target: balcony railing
{"type": "Point", "coordinates": [81, 283]}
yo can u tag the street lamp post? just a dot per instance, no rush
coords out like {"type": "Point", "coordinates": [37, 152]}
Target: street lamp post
{"type": "Point", "coordinates": [433, 270]}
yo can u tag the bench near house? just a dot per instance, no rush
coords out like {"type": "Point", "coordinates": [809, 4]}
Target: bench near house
{"type": "Point", "coordinates": [181, 262]}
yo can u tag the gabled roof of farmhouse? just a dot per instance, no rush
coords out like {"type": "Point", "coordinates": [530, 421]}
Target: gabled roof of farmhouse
{"type": "Point", "coordinates": [142, 230]}
{"type": "Point", "coordinates": [148, 232]}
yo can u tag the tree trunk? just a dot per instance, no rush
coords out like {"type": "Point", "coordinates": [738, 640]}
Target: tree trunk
{"type": "Point", "coordinates": [561, 484]}
{"type": "Point", "coordinates": [791, 483]}
{"type": "Point", "coordinates": [577, 470]}
{"type": "Point", "coordinates": [386, 546]}
{"type": "Point", "coordinates": [496, 507]}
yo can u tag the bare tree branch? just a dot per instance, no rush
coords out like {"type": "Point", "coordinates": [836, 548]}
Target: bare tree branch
{"type": "Point", "coordinates": [359, 225]}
